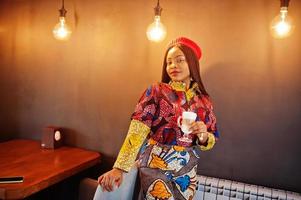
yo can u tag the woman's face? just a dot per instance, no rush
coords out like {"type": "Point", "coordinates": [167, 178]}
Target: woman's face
{"type": "Point", "coordinates": [177, 67]}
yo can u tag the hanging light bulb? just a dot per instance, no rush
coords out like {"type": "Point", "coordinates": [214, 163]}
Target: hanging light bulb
{"type": "Point", "coordinates": [156, 31]}
{"type": "Point", "coordinates": [282, 25]}
{"type": "Point", "coordinates": [61, 30]}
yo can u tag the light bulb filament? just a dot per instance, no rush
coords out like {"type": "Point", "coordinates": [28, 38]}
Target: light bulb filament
{"type": "Point", "coordinates": [281, 25]}
{"type": "Point", "coordinates": [156, 31]}
{"type": "Point", "coordinates": [61, 30]}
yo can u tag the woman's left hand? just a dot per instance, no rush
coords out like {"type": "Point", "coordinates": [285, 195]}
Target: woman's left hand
{"type": "Point", "coordinates": [199, 128]}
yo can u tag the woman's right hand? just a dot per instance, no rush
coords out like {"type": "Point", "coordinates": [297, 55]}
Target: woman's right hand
{"type": "Point", "coordinates": [110, 178]}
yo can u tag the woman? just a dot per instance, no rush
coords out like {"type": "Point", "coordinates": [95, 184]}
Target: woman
{"type": "Point", "coordinates": [167, 164]}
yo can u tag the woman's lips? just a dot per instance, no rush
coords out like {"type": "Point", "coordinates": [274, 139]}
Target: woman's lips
{"type": "Point", "coordinates": [174, 73]}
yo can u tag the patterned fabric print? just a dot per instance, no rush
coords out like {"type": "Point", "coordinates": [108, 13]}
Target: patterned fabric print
{"type": "Point", "coordinates": [204, 110]}
{"type": "Point", "coordinates": [146, 108]}
{"type": "Point", "coordinates": [186, 184]}
{"type": "Point", "coordinates": [168, 158]}
{"type": "Point", "coordinates": [161, 105]}
{"type": "Point", "coordinates": [157, 111]}
{"type": "Point", "coordinates": [133, 141]}
{"type": "Point", "coordinates": [180, 86]}
{"type": "Point", "coordinates": [159, 190]}
{"type": "Point", "coordinates": [168, 171]}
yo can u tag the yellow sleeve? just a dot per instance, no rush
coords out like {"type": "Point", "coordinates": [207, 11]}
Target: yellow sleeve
{"type": "Point", "coordinates": [136, 135]}
{"type": "Point", "coordinates": [210, 143]}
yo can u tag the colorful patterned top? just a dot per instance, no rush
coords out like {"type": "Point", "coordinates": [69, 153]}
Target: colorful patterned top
{"type": "Point", "coordinates": [156, 117]}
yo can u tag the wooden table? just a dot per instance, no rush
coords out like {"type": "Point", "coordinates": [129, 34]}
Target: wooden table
{"type": "Point", "coordinates": [40, 168]}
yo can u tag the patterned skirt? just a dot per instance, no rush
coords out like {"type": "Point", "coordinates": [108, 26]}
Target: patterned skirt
{"type": "Point", "coordinates": [168, 171]}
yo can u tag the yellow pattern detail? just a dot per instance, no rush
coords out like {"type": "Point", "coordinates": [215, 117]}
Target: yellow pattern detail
{"type": "Point", "coordinates": [179, 148]}
{"type": "Point", "coordinates": [210, 143]}
{"type": "Point", "coordinates": [151, 141]}
{"type": "Point", "coordinates": [160, 191]}
{"type": "Point", "coordinates": [180, 86]}
{"type": "Point", "coordinates": [137, 133]}
{"type": "Point", "coordinates": [157, 162]}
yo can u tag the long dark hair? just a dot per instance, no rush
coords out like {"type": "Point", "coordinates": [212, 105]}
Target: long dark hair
{"type": "Point", "coordinates": [193, 64]}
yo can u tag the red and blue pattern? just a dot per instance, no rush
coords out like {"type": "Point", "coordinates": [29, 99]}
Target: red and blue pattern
{"type": "Point", "coordinates": [161, 105]}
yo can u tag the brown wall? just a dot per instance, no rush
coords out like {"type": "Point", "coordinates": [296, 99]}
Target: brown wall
{"type": "Point", "coordinates": [90, 84]}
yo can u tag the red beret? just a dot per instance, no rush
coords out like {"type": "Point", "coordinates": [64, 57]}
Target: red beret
{"type": "Point", "coordinates": [189, 43]}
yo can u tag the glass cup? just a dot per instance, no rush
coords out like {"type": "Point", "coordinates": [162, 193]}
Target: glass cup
{"type": "Point", "coordinates": [184, 122]}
